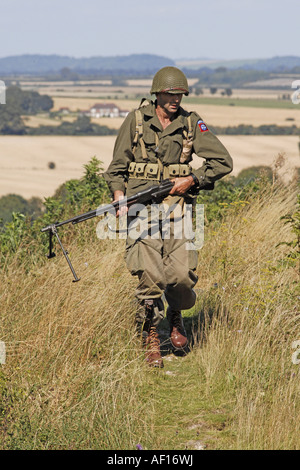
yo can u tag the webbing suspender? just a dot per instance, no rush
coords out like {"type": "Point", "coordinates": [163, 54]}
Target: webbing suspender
{"type": "Point", "coordinates": [187, 144]}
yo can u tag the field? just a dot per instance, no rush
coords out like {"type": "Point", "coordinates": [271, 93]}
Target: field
{"type": "Point", "coordinates": [104, 89]}
{"type": "Point", "coordinates": [24, 160]}
{"type": "Point", "coordinates": [220, 114]}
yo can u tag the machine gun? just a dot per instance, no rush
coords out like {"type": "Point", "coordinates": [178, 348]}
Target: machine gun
{"type": "Point", "coordinates": [154, 194]}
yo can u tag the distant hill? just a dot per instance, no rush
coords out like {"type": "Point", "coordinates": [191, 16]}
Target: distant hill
{"type": "Point", "coordinates": [277, 64]}
{"type": "Point", "coordinates": [135, 64]}
{"type": "Point", "coordinates": [196, 64]}
{"type": "Point", "coordinates": [45, 64]}
{"type": "Point", "coordinates": [274, 64]}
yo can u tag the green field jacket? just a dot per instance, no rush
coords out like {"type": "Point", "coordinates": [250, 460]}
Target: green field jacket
{"type": "Point", "coordinates": [165, 145]}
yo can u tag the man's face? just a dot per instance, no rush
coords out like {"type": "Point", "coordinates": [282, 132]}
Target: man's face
{"type": "Point", "coordinates": [169, 102]}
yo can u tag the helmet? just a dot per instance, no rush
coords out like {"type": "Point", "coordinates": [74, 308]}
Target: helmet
{"type": "Point", "coordinates": [170, 80]}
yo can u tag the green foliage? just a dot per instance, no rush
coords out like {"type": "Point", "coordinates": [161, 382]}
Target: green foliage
{"type": "Point", "coordinates": [75, 196]}
{"type": "Point", "coordinates": [232, 77]}
{"type": "Point", "coordinates": [89, 191]}
{"type": "Point", "coordinates": [16, 203]}
{"type": "Point", "coordinates": [66, 358]}
{"type": "Point", "coordinates": [68, 74]}
{"type": "Point", "coordinates": [78, 195]}
{"type": "Point", "coordinates": [197, 90]}
{"type": "Point", "coordinates": [28, 102]}
{"type": "Point", "coordinates": [82, 126]}
{"type": "Point", "coordinates": [214, 201]}
{"type": "Point", "coordinates": [18, 103]}
{"type": "Point", "coordinates": [10, 121]}
{"type": "Point", "coordinates": [254, 172]}
{"type": "Point", "coordinates": [12, 236]}
{"type": "Point", "coordinates": [293, 220]}
{"type": "Point", "coordinates": [232, 193]}
{"type": "Point", "coordinates": [54, 210]}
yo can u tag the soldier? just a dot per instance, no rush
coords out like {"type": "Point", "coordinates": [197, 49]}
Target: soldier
{"type": "Point", "coordinates": [156, 142]}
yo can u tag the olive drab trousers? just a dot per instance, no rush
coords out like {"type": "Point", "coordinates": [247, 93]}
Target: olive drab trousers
{"type": "Point", "coordinates": [164, 261]}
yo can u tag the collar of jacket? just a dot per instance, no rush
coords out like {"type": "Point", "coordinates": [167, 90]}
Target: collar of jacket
{"type": "Point", "coordinates": [177, 123]}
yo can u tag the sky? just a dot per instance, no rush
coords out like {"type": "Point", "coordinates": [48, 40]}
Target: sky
{"type": "Point", "coordinates": [177, 29]}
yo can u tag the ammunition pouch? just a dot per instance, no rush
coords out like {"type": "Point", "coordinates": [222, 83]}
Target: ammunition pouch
{"type": "Point", "coordinates": [151, 171]}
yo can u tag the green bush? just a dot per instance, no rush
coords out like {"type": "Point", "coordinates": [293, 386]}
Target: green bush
{"type": "Point", "coordinates": [16, 203]}
{"type": "Point", "coordinates": [254, 172]}
{"type": "Point", "coordinates": [231, 193]}
{"type": "Point", "coordinates": [22, 233]}
{"type": "Point", "coordinates": [82, 126]}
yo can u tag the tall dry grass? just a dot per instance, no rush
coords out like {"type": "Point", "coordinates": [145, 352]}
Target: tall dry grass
{"type": "Point", "coordinates": [246, 348]}
{"type": "Point", "coordinates": [74, 366]}
{"type": "Point", "coordinates": [75, 377]}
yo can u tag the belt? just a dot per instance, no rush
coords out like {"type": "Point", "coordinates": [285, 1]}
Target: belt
{"type": "Point", "coordinates": [151, 171]}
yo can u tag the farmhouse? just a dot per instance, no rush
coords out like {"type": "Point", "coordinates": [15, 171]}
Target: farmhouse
{"type": "Point", "coordinates": [64, 110]}
{"type": "Point", "coordinates": [106, 110]}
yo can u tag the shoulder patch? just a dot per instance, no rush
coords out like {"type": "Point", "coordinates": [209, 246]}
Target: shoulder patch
{"type": "Point", "coordinates": [202, 126]}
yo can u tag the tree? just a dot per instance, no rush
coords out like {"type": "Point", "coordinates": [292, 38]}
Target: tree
{"type": "Point", "coordinates": [221, 69]}
{"type": "Point", "coordinates": [16, 203]}
{"type": "Point", "coordinates": [69, 74]}
{"type": "Point", "coordinates": [18, 103]}
{"type": "Point", "coordinates": [27, 102]}
{"type": "Point", "coordinates": [198, 90]}
{"type": "Point", "coordinates": [83, 125]}
{"type": "Point", "coordinates": [11, 121]}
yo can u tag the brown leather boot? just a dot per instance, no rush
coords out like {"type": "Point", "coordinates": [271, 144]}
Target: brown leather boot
{"type": "Point", "coordinates": [152, 348]}
{"type": "Point", "coordinates": [178, 334]}
{"type": "Point", "coordinates": [150, 338]}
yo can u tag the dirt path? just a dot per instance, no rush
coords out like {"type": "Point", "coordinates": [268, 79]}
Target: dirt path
{"type": "Point", "coordinates": [186, 415]}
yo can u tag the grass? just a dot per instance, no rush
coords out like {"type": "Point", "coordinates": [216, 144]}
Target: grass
{"type": "Point", "coordinates": [75, 376]}
{"type": "Point", "coordinates": [245, 102]}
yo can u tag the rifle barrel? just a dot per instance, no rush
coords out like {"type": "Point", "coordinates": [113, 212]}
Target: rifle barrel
{"type": "Point", "coordinates": [151, 194]}
{"type": "Point", "coordinates": [143, 196]}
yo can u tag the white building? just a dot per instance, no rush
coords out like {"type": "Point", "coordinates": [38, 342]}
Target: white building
{"type": "Point", "coordinates": [106, 110]}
